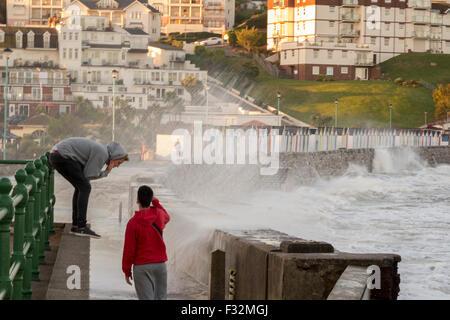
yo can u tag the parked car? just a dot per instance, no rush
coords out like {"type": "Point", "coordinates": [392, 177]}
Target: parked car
{"type": "Point", "coordinates": [209, 42]}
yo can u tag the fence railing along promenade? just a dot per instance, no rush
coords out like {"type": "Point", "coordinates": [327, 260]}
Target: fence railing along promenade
{"type": "Point", "coordinates": [30, 204]}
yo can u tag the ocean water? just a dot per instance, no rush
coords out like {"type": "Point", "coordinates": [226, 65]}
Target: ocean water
{"type": "Point", "coordinates": [402, 207]}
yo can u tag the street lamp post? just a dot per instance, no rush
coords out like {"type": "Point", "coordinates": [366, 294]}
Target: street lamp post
{"type": "Point", "coordinates": [426, 122]}
{"type": "Point", "coordinates": [114, 75]}
{"type": "Point", "coordinates": [278, 107]}
{"type": "Point", "coordinates": [335, 112]}
{"type": "Point", "coordinates": [207, 102]}
{"type": "Point", "coordinates": [390, 116]}
{"type": "Point", "coordinates": [7, 53]}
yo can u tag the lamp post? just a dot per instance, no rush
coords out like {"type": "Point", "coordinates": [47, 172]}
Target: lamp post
{"type": "Point", "coordinates": [335, 112]}
{"type": "Point", "coordinates": [114, 75]}
{"type": "Point", "coordinates": [278, 107]}
{"type": "Point", "coordinates": [426, 122]}
{"type": "Point", "coordinates": [390, 116]}
{"type": "Point", "coordinates": [7, 53]}
{"type": "Point", "coordinates": [207, 102]}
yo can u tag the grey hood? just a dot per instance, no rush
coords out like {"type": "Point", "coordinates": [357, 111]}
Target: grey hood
{"type": "Point", "coordinates": [116, 151]}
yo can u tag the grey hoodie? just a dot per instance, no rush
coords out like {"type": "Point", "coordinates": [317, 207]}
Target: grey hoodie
{"type": "Point", "coordinates": [91, 154]}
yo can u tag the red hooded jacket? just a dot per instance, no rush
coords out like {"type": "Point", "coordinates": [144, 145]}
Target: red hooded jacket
{"type": "Point", "coordinates": [143, 242]}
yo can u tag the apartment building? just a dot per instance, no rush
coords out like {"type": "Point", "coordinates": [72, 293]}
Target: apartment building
{"type": "Point", "coordinates": [33, 12]}
{"type": "Point", "coordinates": [35, 78]}
{"type": "Point", "coordinates": [137, 14]}
{"type": "Point", "coordinates": [146, 70]}
{"type": "Point", "coordinates": [325, 36]}
{"type": "Point", "coordinates": [183, 16]}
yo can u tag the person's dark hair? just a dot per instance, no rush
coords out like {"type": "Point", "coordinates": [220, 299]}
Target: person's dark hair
{"type": "Point", "coordinates": [145, 196]}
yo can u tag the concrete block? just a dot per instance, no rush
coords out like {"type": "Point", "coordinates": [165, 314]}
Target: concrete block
{"type": "Point", "coordinates": [351, 285]}
{"type": "Point", "coordinates": [306, 246]}
{"type": "Point", "coordinates": [217, 276]}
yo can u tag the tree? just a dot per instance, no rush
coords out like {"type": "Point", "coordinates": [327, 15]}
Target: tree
{"type": "Point", "coordinates": [319, 120]}
{"type": "Point", "coordinates": [174, 104]}
{"type": "Point", "coordinates": [194, 87]}
{"type": "Point", "coordinates": [250, 70]}
{"type": "Point", "coordinates": [65, 126]}
{"type": "Point", "coordinates": [441, 96]}
{"type": "Point", "coordinates": [250, 38]}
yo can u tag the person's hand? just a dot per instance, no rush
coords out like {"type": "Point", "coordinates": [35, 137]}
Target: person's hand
{"type": "Point", "coordinates": [127, 279]}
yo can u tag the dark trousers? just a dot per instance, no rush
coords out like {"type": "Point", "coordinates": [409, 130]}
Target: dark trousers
{"type": "Point", "coordinates": [72, 171]}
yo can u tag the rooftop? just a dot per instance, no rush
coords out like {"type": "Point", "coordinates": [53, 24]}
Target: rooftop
{"type": "Point", "coordinates": [164, 46]}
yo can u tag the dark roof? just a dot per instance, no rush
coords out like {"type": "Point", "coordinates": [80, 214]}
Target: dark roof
{"type": "Point", "coordinates": [106, 46]}
{"type": "Point", "coordinates": [136, 31]}
{"type": "Point", "coordinates": [10, 37]}
{"type": "Point", "coordinates": [441, 6]}
{"type": "Point", "coordinates": [92, 4]}
{"type": "Point", "coordinates": [137, 50]}
{"type": "Point", "coordinates": [164, 46]}
{"type": "Point", "coordinates": [37, 120]}
{"type": "Point", "coordinates": [9, 135]}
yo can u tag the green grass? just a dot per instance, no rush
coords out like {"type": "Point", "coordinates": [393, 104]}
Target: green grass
{"type": "Point", "coordinates": [361, 103]}
{"type": "Point", "coordinates": [417, 66]}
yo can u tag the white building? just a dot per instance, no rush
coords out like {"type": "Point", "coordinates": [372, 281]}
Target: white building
{"type": "Point", "coordinates": [183, 16]}
{"type": "Point", "coordinates": [147, 70]}
{"type": "Point", "coordinates": [33, 12]}
{"type": "Point", "coordinates": [124, 13]}
{"type": "Point", "coordinates": [327, 37]}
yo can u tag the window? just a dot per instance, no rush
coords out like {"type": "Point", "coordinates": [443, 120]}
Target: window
{"type": "Point", "coordinates": [46, 40]}
{"type": "Point", "coordinates": [64, 109]}
{"type": "Point", "coordinates": [19, 39]}
{"type": "Point", "coordinates": [64, 53]}
{"type": "Point", "coordinates": [387, 1]}
{"type": "Point", "coordinates": [373, 40]}
{"type": "Point", "coordinates": [330, 54]}
{"type": "Point", "coordinates": [386, 42]}
{"type": "Point", "coordinates": [330, 71]}
{"type": "Point", "coordinates": [23, 109]}
{"type": "Point", "coordinates": [76, 54]}
{"type": "Point", "coordinates": [64, 36]}
{"type": "Point", "coordinates": [401, 26]}
{"type": "Point", "coordinates": [30, 39]}
{"type": "Point", "coordinates": [331, 24]}
{"type": "Point", "coordinates": [70, 35]}
{"type": "Point", "coordinates": [344, 70]}
{"type": "Point", "coordinates": [316, 53]}
{"type": "Point", "coordinates": [332, 9]}
{"type": "Point", "coordinates": [387, 11]}
{"type": "Point", "coordinates": [285, 55]}
{"type": "Point", "coordinates": [58, 94]}
{"type": "Point", "coordinates": [2, 36]}
{"type": "Point", "coordinates": [76, 35]}
{"type": "Point", "coordinates": [387, 26]}
{"type": "Point", "coordinates": [36, 93]}
{"type": "Point", "coordinates": [344, 54]}
{"type": "Point", "coordinates": [70, 53]}
{"type": "Point", "coordinates": [315, 70]}
{"type": "Point", "coordinates": [293, 53]}
{"type": "Point", "coordinates": [402, 11]}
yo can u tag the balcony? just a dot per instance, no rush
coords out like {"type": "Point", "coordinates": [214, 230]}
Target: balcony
{"type": "Point", "coordinates": [435, 20]}
{"type": "Point", "coordinates": [350, 17]}
{"type": "Point", "coordinates": [420, 35]}
{"type": "Point", "coordinates": [435, 36]}
{"type": "Point", "coordinates": [349, 33]}
{"type": "Point", "coordinates": [420, 19]}
{"type": "Point", "coordinates": [30, 81]}
{"type": "Point", "coordinates": [350, 3]}
{"type": "Point", "coordinates": [44, 98]}
{"type": "Point", "coordinates": [364, 62]}
{"type": "Point", "coordinates": [420, 4]}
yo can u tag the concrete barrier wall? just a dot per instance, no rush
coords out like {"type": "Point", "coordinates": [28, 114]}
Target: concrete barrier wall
{"type": "Point", "coordinates": [264, 270]}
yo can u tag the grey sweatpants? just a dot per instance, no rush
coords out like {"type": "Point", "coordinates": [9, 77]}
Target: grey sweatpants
{"type": "Point", "coordinates": [150, 281]}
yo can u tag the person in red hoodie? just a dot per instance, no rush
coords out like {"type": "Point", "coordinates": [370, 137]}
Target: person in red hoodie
{"type": "Point", "coordinates": [144, 248]}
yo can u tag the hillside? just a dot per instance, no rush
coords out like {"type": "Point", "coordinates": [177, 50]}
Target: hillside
{"type": "Point", "coordinates": [433, 68]}
{"type": "Point", "coordinates": [361, 103]}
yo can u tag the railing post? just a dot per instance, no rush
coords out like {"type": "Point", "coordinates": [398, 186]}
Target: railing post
{"type": "Point", "coordinates": [51, 194]}
{"type": "Point", "coordinates": [38, 217]}
{"type": "Point", "coordinates": [29, 239]}
{"type": "Point", "coordinates": [18, 255]}
{"type": "Point", "coordinates": [5, 225]}
{"type": "Point", "coordinates": [46, 202]}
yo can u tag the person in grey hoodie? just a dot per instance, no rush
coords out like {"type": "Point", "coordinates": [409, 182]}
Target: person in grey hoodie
{"type": "Point", "coordinates": [80, 160]}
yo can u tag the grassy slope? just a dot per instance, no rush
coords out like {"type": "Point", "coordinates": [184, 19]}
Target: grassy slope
{"type": "Point", "coordinates": [362, 103]}
{"type": "Point", "coordinates": [417, 66]}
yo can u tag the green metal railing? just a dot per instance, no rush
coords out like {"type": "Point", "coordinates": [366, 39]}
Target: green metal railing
{"type": "Point", "coordinates": [30, 204]}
